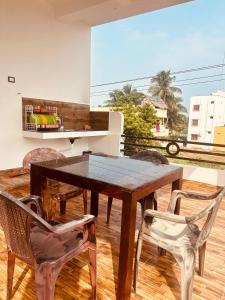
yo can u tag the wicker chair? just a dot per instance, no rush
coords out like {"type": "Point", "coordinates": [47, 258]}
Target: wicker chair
{"type": "Point", "coordinates": [154, 157]}
{"type": "Point", "coordinates": [58, 191]}
{"type": "Point", "coordinates": [180, 235]}
{"type": "Point", "coordinates": [30, 238]}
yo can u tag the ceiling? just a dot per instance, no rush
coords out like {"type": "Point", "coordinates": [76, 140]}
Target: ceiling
{"type": "Point", "coordinates": [63, 7]}
{"type": "Point", "coordinates": [96, 12]}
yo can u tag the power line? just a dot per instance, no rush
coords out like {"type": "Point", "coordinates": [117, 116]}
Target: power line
{"type": "Point", "coordinates": [181, 80]}
{"type": "Point", "coordinates": [201, 77]}
{"type": "Point", "coordinates": [200, 82]}
{"type": "Point", "coordinates": [184, 84]}
{"type": "Point", "coordinates": [174, 73]}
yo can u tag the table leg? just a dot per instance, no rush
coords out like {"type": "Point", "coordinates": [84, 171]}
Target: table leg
{"type": "Point", "coordinates": [94, 203]}
{"type": "Point", "coordinates": [127, 237]}
{"type": "Point", "coordinates": [148, 202]}
{"type": "Point", "coordinates": [36, 184]}
{"type": "Point", "coordinates": [177, 185]}
{"type": "Point", "coordinates": [36, 181]}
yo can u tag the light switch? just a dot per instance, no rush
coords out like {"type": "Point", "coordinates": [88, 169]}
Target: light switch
{"type": "Point", "coordinates": [11, 79]}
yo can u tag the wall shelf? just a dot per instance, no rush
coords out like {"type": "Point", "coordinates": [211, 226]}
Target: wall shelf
{"type": "Point", "coordinates": [64, 134]}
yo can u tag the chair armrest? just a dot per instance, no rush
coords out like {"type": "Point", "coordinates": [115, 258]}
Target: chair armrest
{"type": "Point", "coordinates": [59, 228]}
{"type": "Point", "coordinates": [205, 212]}
{"type": "Point", "coordinates": [34, 200]}
{"type": "Point", "coordinates": [195, 195]}
{"type": "Point", "coordinates": [166, 216]}
{"type": "Point", "coordinates": [70, 226]}
{"type": "Point", "coordinates": [177, 194]}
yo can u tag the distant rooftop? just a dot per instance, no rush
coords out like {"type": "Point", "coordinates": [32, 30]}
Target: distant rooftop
{"type": "Point", "coordinates": [219, 93]}
{"type": "Point", "coordinates": [159, 104]}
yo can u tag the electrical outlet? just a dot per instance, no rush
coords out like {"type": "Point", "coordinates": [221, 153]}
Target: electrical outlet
{"type": "Point", "coordinates": [11, 79]}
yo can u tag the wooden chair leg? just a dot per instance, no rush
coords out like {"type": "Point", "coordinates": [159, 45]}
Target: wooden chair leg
{"type": "Point", "coordinates": [137, 259]}
{"type": "Point", "coordinates": [85, 201]}
{"type": "Point", "coordinates": [62, 207]}
{"type": "Point", "coordinates": [187, 275]}
{"type": "Point", "coordinates": [45, 278]}
{"type": "Point", "coordinates": [201, 256]}
{"type": "Point", "coordinates": [155, 204]}
{"type": "Point", "coordinates": [93, 273]}
{"type": "Point", "coordinates": [110, 199]}
{"type": "Point", "coordinates": [10, 272]}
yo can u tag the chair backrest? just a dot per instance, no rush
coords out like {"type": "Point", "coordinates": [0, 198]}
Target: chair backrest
{"type": "Point", "coordinates": [40, 154]}
{"type": "Point", "coordinates": [212, 210]}
{"type": "Point", "coordinates": [15, 221]}
{"type": "Point", "coordinates": [152, 156]}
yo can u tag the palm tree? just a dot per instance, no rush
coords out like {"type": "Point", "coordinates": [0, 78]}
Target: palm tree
{"type": "Point", "coordinates": [162, 87]}
{"type": "Point", "coordinates": [177, 120]}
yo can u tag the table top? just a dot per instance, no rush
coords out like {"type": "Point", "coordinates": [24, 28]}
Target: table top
{"type": "Point", "coordinates": [126, 174]}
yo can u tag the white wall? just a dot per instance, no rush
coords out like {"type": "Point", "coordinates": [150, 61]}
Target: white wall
{"type": "Point", "coordinates": [205, 175]}
{"type": "Point", "coordinates": [206, 125]}
{"type": "Point", "coordinates": [50, 60]}
{"type": "Point", "coordinates": [110, 144]}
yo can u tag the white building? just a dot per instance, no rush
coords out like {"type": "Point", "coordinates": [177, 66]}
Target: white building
{"type": "Point", "coordinates": [206, 113]}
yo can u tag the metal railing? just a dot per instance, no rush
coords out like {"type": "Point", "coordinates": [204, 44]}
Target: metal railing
{"type": "Point", "coordinates": [176, 149]}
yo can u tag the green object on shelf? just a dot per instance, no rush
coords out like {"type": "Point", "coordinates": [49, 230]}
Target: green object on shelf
{"type": "Point", "coordinates": [43, 119]}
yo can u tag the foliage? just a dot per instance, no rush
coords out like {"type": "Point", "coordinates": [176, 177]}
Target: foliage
{"type": "Point", "coordinates": [126, 95]}
{"type": "Point", "coordinates": [138, 119]}
{"type": "Point", "coordinates": [162, 87]}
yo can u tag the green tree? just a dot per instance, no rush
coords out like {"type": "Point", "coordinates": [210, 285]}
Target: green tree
{"type": "Point", "coordinates": [177, 119]}
{"type": "Point", "coordinates": [161, 86]}
{"type": "Point", "coordinates": [139, 119]}
{"type": "Point", "coordinates": [126, 95]}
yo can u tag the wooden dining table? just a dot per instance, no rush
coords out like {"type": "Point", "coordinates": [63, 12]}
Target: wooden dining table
{"type": "Point", "coordinates": [123, 178]}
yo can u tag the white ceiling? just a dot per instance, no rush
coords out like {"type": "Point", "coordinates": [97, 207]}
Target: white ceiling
{"type": "Point", "coordinates": [95, 12]}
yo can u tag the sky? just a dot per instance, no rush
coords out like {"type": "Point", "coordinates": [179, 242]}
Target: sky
{"type": "Point", "coordinates": [180, 37]}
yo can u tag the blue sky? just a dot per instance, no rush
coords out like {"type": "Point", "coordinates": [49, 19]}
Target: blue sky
{"type": "Point", "coordinates": [181, 37]}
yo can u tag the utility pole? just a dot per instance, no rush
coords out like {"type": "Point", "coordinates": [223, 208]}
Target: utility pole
{"type": "Point", "coordinates": [222, 87]}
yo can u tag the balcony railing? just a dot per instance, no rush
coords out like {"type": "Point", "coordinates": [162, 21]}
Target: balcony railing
{"type": "Point", "coordinates": [180, 150]}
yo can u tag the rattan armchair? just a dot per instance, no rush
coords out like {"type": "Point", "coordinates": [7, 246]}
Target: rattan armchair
{"type": "Point", "coordinates": [30, 238]}
{"type": "Point", "coordinates": [180, 235]}
{"type": "Point", "coordinates": [151, 156]}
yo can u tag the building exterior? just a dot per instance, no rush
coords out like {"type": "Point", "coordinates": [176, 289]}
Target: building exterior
{"type": "Point", "coordinates": [205, 115]}
{"type": "Point", "coordinates": [161, 114]}
{"type": "Point", "coordinates": [219, 137]}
